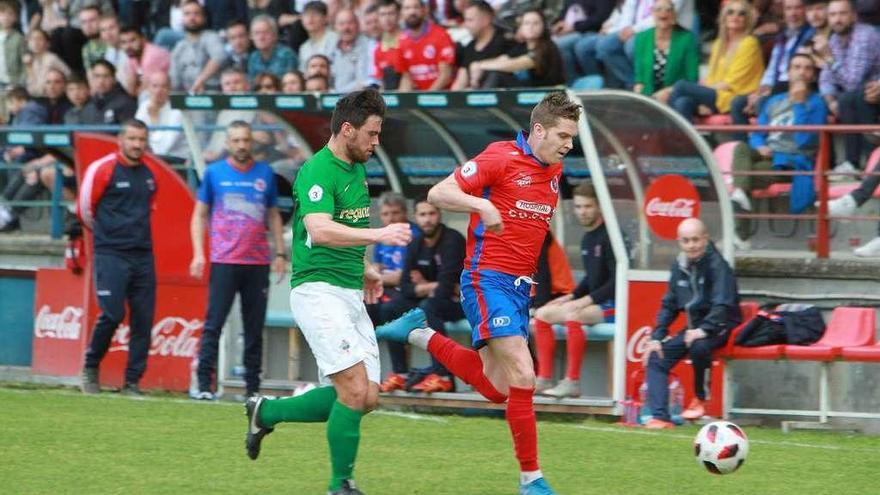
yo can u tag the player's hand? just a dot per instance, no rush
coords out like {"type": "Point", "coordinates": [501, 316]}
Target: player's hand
{"type": "Point", "coordinates": [395, 234]}
{"type": "Point", "coordinates": [693, 334]}
{"type": "Point", "coordinates": [416, 277]}
{"type": "Point", "coordinates": [650, 348]}
{"type": "Point", "coordinates": [373, 287]}
{"type": "Point", "coordinates": [279, 266]}
{"type": "Point", "coordinates": [560, 300]}
{"type": "Point", "coordinates": [491, 218]}
{"type": "Point", "coordinates": [197, 266]}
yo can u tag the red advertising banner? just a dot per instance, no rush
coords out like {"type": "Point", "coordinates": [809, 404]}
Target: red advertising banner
{"type": "Point", "coordinates": [60, 322]}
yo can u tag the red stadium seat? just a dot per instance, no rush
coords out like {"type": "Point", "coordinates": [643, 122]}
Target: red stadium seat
{"type": "Point", "coordinates": [763, 352]}
{"type": "Point", "coordinates": [849, 327]}
{"type": "Point", "coordinates": [863, 353]}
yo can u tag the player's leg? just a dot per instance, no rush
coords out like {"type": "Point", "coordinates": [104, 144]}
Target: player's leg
{"type": "Point", "coordinates": [354, 393]}
{"type": "Point", "coordinates": [700, 353]}
{"type": "Point", "coordinates": [437, 312]}
{"type": "Point", "coordinates": [142, 304]}
{"type": "Point", "coordinates": [545, 341]}
{"type": "Point", "coordinates": [111, 279]}
{"type": "Point", "coordinates": [222, 287]}
{"type": "Point", "coordinates": [657, 377]}
{"type": "Point", "coordinates": [254, 298]}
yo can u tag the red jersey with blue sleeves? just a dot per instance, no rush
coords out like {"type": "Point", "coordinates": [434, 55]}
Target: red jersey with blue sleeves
{"type": "Point", "coordinates": [525, 191]}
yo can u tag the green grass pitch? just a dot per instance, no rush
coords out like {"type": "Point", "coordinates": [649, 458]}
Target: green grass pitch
{"type": "Point", "coordinates": [58, 441]}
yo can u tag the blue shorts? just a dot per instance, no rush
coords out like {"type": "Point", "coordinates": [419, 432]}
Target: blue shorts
{"type": "Point", "coordinates": [608, 311]}
{"type": "Point", "coordinates": [496, 305]}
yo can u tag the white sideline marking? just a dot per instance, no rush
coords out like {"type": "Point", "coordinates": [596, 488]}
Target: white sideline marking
{"type": "Point", "coordinates": [412, 416]}
{"type": "Point", "coordinates": [632, 431]}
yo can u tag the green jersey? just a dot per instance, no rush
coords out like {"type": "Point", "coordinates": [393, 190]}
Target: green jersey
{"type": "Point", "coordinates": [326, 184]}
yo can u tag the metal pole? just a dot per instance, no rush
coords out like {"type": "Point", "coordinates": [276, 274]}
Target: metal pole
{"type": "Point", "coordinates": [56, 210]}
{"type": "Point", "coordinates": [822, 241]}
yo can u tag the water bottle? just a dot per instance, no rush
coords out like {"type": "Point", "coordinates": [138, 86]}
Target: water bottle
{"type": "Point", "coordinates": [645, 411]}
{"type": "Point", "coordinates": [676, 401]}
{"type": "Point", "coordinates": [194, 377]}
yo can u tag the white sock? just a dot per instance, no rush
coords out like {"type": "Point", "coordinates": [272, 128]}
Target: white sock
{"type": "Point", "coordinates": [420, 337]}
{"type": "Point", "coordinates": [526, 477]}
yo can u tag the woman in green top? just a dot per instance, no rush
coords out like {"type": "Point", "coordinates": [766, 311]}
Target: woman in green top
{"type": "Point", "coordinates": [664, 54]}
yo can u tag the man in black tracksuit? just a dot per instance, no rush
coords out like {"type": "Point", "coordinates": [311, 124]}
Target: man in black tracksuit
{"type": "Point", "coordinates": [430, 280]}
{"type": "Point", "coordinates": [702, 285]}
{"type": "Point", "coordinates": [115, 201]}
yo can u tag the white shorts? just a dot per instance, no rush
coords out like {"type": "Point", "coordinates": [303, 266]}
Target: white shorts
{"type": "Point", "coordinates": [336, 325]}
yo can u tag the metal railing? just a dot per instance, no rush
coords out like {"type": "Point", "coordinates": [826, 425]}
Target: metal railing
{"type": "Point", "coordinates": [821, 173]}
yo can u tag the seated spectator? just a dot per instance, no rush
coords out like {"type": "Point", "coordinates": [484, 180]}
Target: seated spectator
{"type": "Point", "coordinates": [386, 56]}
{"type": "Point", "coordinates": [321, 39]}
{"type": "Point", "coordinates": [817, 45]}
{"type": "Point", "coordinates": [665, 54]}
{"type": "Point", "coordinates": [170, 145]}
{"type": "Point", "coordinates": [800, 105]}
{"type": "Point", "coordinates": [144, 59]}
{"type": "Point", "coordinates": [284, 14]}
{"type": "Point", "coordinates": [317, 83]}
{"type": "Point", "coordinates": [430, 280]}
{"type": "Point", "coordinates": [868, 12]}
{"type": "Point", "coordinates": [292, 82]}
{"type": "Point", "coordinates": [350, 59]}
{"type": "Point", "coordinates": [231, 82]}
{"type": "Point", "coordinates": [39, 61]}
{"type": "Point", "coordinates": [423, 68]}
{"type": "Point", "coordinates": [369, 26]}
{"type": "Point", "coordinates": [616, 49]}
{"type": "Point", "coordinates": [577, 31]}
{"type": "Point", "coordinates": [488, 42]}
{"type": "Point", "coordinates": [168, 21]}
{"type": "Point", "coordinates": [775, 78]}
{"type": "Point", "coordinates": [77, 91]}
{"type": "Point", "coordinates": [735, 67]}
{"type": "Point", "coordinates": [553, 276]}
{"type": "Point", "coordinates": [318, 65]}
{"type": "Point", "coordinates": [197, 58]}
{"type": "Point", "coordinates": [109, 103]}
{"type": "Point", "coordinates": [25, 184]}
{"type": "Point", "coordinates": [268, 55]}
{"type": "Point", "coordinates": [591, 302]}
{"type": "Point", "coordinates": [90, 23]}
{"type": "Point", "coordinates": [534, 62]}
{"type": "Point", "coordinates": [238, 46]}
{"type": "Point", "coordinates": [850, 82]}
{"type": "Point", "coordinates": [12, 71]}
{"type": "Point", "coordinates": [113, 53]}
{"type": "Point", "coordinates": [54, 100]}
{"type": "Point", "coordinates": [768, 23]}
{"type": "Point", "coordinates": [712, 309]}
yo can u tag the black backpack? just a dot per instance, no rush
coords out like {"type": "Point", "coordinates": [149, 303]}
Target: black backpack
{"type": "Point", "coordinates": [796, 324]}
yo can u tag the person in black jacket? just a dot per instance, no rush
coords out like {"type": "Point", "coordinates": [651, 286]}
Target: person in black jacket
{"type": "Point", "coordinates": [430, 280]}
{"type": "Point", "coordinates": [109, 104]}
{"type": "Point", "coordinates": [703, 285]}
{"type": "Point", "coordinates": [592, 301]}
{"type": "Point", "coordinates": [576, 30]}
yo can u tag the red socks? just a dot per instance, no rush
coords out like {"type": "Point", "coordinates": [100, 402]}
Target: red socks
{"type": "Point", "coordinates": [546, 344]}
{"type": "Point", "coordinates": [521, 419]}
{"type": "Point", "coordinates": [465, 364]}
{"type": "Point", "coordinates": [577, 343]}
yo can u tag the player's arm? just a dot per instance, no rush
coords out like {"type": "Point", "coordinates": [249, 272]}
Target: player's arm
{"type": "Point", "coordinates": [391, 278]}
{"type": "Point", "coordinates": [323, 231]}
{"type": "Point", "coordinates": [197, 235]}
{"type": "Point", "coordinates": [444, 78]}
{"type": "Point", "coordinates": [448, 195]}
{"type": "Point", "coordinates": [461, 79]}
{"type": "Point", "coordinates": [406, 83]}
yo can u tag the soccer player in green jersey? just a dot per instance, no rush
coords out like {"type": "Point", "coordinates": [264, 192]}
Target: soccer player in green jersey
{"type": "Point", "coordinates": [329, 283]}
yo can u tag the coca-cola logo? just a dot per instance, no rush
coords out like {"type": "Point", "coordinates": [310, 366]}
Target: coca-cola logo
{"type": "Point", "coordinates": [669, 200]}
{"type": "Point", "coordinates": [635, 346]}
{"type": "Point", "coordinates": [171, 336]}
{"type": "Point", "coordinates": [65, 325]}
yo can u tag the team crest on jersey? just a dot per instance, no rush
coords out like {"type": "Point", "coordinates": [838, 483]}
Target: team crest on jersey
{"type": "Point", "coordinates": [260, 185]}
{"type": "Point", "coordinates": [429, 51]}
{"type": "Point", "coordinates": [469, 169]}
{"type": "Point", "coordinates": [554, 185]}
{"type": "Point", "coordinates": [316, 193]}
{"type": "Point", "coordinates": [523, 181]}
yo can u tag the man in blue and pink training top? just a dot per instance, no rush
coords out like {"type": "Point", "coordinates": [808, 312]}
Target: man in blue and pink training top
{"type": "Point", "coordinates": [240, 196]}
{"type": "Point", "coordinates": [511, 190]}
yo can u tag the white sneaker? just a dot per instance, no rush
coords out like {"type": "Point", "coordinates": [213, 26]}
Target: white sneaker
{"type": "Point", "coordinates": [740, 197]}
{"type": "Point", "coordinates": [843, 206]}
{"type": "Point", "coordinates": [5, 216]}
{"type": "Point", "coordinates": [869, 250]}
{"type": "Point", "coordinates": [846, 168]}
{"type": "Point", "coordinates": [543, 384]}
{"type": "Point", "coordinates": [565, 388]}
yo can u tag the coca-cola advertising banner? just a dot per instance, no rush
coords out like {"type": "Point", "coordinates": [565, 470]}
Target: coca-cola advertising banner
{"type": "Point", "coordinates": [669, 200]}
{"type": "Point", "coordinates": [642, 317]}
{"type": "Point", "coordinates": [60, 322]}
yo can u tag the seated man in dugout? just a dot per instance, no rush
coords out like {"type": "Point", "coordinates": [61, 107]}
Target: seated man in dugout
{"type": "Point", "coordinates": [592, 301]}
{"type": "Point", "coordinates": [703, 286]}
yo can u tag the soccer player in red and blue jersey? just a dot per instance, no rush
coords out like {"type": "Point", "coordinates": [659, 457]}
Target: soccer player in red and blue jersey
{"type": "Point", "coordinates": [511, 190]}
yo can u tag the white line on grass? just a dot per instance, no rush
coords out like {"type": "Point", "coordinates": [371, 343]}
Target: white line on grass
{"type": "Point", "coordinates": [412, 416]}
{"type": "Point", "coordinates": [630, 431]}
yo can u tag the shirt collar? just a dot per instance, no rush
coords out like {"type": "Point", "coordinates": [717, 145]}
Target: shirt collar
{"type": "Point", "coordinates": [522, 142]}
{"type": "Point", "coordinates": [247, 168]}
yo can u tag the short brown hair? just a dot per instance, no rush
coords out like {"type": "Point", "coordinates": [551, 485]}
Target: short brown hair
{"type": "Point", "coordinates": [586, 190]}
{"type": "Point", "coordinates": [553, 107]}
{"type": "Point", "coordinates": [355, 108]}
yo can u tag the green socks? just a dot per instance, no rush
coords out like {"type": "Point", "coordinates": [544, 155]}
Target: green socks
{"type": "Point", "coordinates": [343, 435]}
{"type": "Point", "coordinates": [313, 406]}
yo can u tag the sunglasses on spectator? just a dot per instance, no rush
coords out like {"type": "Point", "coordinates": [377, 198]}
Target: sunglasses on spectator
{"type": "Point", "coordinates": [738, 12]}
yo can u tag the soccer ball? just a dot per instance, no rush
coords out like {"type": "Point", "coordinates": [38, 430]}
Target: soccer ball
{"type": "Point", "coordinates": [721, 447]}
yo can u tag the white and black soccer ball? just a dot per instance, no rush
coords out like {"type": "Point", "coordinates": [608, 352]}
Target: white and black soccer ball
{"type": "Point", "coordinates": [721, 447]}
